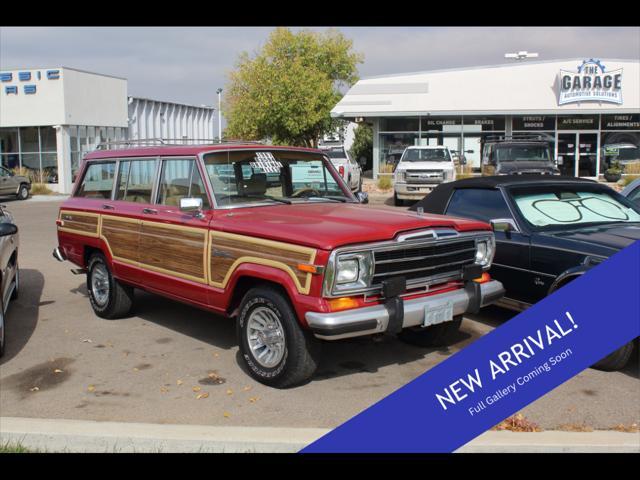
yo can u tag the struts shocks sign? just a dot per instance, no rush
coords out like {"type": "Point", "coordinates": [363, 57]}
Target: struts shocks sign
{"type": "Point", "coordinates": [592, 82]}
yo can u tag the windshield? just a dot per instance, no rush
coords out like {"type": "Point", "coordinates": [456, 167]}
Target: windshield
{"type": "Point", "coordinates": [560, 207]}
{"type": "Point", "coordinates": [426, 155]}
{"type": "Point", "coordinates": [523, 153]}
{"type": "Point", "coordinates": [252, 177]}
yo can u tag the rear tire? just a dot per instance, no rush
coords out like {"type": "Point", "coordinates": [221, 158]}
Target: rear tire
{"type": "Point", "coordinates": [438, 335]}
{"type": "Point", "coordinates": [108, 297]}
{"type": "Point", "coordinates": [616, 360]}
{"type": "Point", "coordinates": [288, 356]}
{"type": "Point", "coordinates": [23, 192]}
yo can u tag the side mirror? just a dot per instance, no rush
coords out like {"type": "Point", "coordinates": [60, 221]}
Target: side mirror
{"type": "Point", "coordinates": [363, 197]}
{"type": "Point", "coordinates": [503, 225]}
{"type": "Point", "coordinates": [7, 229]}
{"type": "Point", "coordinates": [191, 204]}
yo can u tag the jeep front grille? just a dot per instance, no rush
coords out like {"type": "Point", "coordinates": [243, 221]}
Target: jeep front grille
{"type": "Point", "coordinates": [419, 263]}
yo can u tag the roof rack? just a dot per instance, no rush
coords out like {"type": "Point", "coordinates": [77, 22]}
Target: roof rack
{"type": "Point", "coordinates": [151, 142]}
{"type": "Point", "coordinates": [520, 137]}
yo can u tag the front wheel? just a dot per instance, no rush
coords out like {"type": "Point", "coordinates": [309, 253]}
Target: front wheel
{"type": "Point", "coordinates": [109, 298]}
{"type": "Point", "coordinates": [438, 335]}
{"type": "Point", "coordinates": [396, 201]}
{"type": "Point", "coordinates": [274, 347]}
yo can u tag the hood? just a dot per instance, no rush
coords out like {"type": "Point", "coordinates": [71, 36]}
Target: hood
{"type": "Point", "coordinates": [613, 237]}
{"type": "Point", "coordinates": [425, 166]}
{"type": "Point", "coordinates": [331, 225]}
{"type": "Point", "coordinates": [508, 168]}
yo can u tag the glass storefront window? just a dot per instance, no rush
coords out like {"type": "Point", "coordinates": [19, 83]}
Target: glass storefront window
{"type": "Point", "coordinates": [399, 124]}
{"type": "Point", "coordinates": [621, 147]}
{"type": "Point", "coordinates": [48, 139]}
{"type": "Point", "coordinates": [392, 145]}
{"type": "Point", "coordinates": [8, 140]}
{"type": "Point", "coordinates": [29, 139]}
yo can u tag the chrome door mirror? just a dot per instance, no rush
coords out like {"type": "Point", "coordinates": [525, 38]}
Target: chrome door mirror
{"type": "Point", "coordinates": [191, 205]}
{"type": "Point", "coordinates": [363, 197]}
{"type": "Point", "coordinates": [503, 225]}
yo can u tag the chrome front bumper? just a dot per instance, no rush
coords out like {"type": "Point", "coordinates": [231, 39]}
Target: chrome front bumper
{"type": "Point", "coordinates": [375, 319]}
{"type": "Point", "coordinates": [413, 191]}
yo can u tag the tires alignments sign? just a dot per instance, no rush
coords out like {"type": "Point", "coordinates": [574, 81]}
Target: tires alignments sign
{"type": "Point", "coordinates": [505, 370]}
{"type": "Point", "coordinates": [592, 82]}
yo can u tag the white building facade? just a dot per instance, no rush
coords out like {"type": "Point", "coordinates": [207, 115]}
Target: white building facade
{"type": "Point", "coordinates": [51, 117]}
{"type": "Point", "coordinates": [588, 109]}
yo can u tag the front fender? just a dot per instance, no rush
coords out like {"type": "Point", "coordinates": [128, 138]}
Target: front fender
{"type": "Point", "coordinates": [569, 274]}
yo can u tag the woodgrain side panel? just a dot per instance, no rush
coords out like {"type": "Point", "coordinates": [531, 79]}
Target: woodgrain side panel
{"type": "Point", "coordinates": [174, 249]}
{"type": "Point", "coordinates": [228, 251]}
{"type": "Point", "coordinates": [121, 235]}
{"type": "Point", "coordinates": [82, 223]}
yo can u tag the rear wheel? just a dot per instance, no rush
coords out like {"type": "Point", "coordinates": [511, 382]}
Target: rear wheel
{"type": "Point", "coordinates": [23, 192]}
{"type": "Point", "coordinates": [616, 360]}
{"type": "Point", "coordinates": [274, 347]}
{"type": "Point", "coordinates": [438, 335]}
{"type": "Point", "coordinates": [109, 298]}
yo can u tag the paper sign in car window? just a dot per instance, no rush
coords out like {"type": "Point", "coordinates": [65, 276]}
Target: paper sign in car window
{"type": "Point", "coordinates": [266, 162]}
{"type": "Point", "coordinates": [308, 172]}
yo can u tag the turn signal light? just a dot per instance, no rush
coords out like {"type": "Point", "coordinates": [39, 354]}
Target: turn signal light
{"type": "Point", "coordinates": [341, 170]}
{"type": "Point", "coordinates": [484, 278]}
{"type": "Point", "coordinates": [306, 267]}
{"type": "Point", "coordinates": [342, 303]}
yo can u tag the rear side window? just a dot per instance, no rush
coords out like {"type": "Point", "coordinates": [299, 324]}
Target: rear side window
{"type": "Point", "coordinates": [180, 178]}
{"type": "Point", "coordinates": [136, 180]}
{"type": "Point", "coordinates": [98, 181]}
{"type": "Point", "coordinates": [480, 204]}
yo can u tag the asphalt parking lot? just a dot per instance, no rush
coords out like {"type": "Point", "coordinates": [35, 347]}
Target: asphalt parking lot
{"type": "Point", "coordinates": [170, 363]}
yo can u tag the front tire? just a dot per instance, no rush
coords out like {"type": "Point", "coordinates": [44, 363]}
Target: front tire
{"type": "Point", "coordinates": [275, 349]}
{"type": "Point", "coordinates": [108, 297]}
{"type": "Point", "coordinates": [23, 192]}
{"type": "Point", "coordinates": [439, 335]}
{"type": "Point", "coordinates": [16, 290]}
{"type": "Point", "coordinates": [396, 201]}
{"type": "Point", "coordinates": [616, 360]}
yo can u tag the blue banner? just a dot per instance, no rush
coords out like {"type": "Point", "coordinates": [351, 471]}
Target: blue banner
{"type": "Point", "coordinates": [505, 370]}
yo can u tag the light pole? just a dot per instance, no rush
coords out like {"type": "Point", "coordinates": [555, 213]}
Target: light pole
{"type": "Point", "coordinates": [219, 91]}
{"type": "Point", "coordinates": [522, 55]}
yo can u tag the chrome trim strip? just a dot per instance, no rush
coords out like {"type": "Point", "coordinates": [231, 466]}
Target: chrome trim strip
{"type": "Point", "coordinates": [523, 269]}
{"type": "Point", "coordinates": [422, 257]}
{"type": "Point", "coordinates": [400, 272]}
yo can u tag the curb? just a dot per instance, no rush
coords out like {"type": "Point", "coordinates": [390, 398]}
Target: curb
{"type": "Point", "coordinates": [103, 437]}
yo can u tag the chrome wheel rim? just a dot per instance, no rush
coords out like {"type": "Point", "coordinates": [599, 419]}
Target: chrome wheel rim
{"type": "Point", "coordinates": [265, 336]}
{"type": "Point", "coordinates": [100, 284]}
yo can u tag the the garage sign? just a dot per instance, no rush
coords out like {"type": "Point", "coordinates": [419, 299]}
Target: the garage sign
{"type": "Point", "coordinates": [591, 83]}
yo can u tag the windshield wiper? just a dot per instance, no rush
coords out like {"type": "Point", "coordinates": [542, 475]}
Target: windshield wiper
{"type": "Point", "coordinates": [332, 198]}
{"type": "Point", "coordinates": [268, 197]}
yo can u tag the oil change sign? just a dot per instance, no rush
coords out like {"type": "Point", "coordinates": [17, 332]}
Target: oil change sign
{"type": "Point", "coordinates": [591, 82]}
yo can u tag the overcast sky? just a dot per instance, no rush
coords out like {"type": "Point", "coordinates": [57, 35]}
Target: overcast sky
{"type": "Point", "coordinates": [189, 64]}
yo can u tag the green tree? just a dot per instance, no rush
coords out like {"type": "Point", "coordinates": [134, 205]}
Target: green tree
{"type": "Point", "coordinates": [363, 144]}
{"type": "Point", "coordinates": [286, 91]}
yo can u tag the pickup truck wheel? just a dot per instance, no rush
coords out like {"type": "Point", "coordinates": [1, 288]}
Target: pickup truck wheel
{"type": "Point", "coordinates": [396, 201]}
{"type": "Point", "coordinates": [438, 335]}
{"type": "Point", "coordinates": [109, 298]}
{"type": "Point", "coordinates": [275, 349]}
{"type": "Point", "coordinates": [1, 330]}
{"type": "Point", "coordinates": [23, 192]}
{"type": "Point", "coordinates": [616, 360]}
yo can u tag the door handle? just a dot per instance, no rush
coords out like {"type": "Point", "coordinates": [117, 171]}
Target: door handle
{"type": "Point", "coordinates": [150, 211]}
{"type": "Point", "coordinates": [106, 206]}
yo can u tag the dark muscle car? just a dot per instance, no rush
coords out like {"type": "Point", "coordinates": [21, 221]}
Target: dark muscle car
{"type": "Point", "coordinates": [548, 231]}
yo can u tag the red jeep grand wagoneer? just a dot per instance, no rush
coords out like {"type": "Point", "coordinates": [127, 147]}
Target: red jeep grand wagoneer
{"type": "Point", "coordinates": [273, 238]}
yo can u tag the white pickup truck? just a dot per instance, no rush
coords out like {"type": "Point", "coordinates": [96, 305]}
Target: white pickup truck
{"type": "Point", "coordinates": [420, 170]}
{"type": "Point", "coordinates": [347, 167]}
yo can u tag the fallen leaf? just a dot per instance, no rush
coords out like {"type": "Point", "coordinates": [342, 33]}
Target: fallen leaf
{"type": "Point", "coordinates": [135, 369]}
{"type": "Point", "coordinates": [216, 355]}
{"type": "Point", "coordinates": [87, 340]}
{"type": "Point", "coordinates": [253, 399]}
{"type": "Point", "coordinates": [229, 392]}
{"type": "Point", "coordinates": [164, 389]}
{"type": "Point", "coordinates": [226, 414]}
{"type": "Point", "coordinates": [212, 375]}
{"type": "Point", "coordinates": [246, 389]}
{"type": "Point", "coordinates": [91, 388]}
{"type": "Point", "coordinates": [196, 389]}
{"type": "Point", "coordinates": [179, 382]}
{"type": "Point", "coordinates": [34, 389]}
{"type": "Point", "coordinates": [57, 370]}
{"type": "Point", "coordinates": [202, 395]}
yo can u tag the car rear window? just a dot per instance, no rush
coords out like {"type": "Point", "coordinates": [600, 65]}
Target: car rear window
{"type": "Point", "coordinates": [97, 181]}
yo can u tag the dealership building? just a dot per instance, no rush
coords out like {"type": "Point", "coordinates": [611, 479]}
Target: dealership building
{"type": "Point", "coordinates": [588, 109]}
{"type": "Point", "coordinates": [51, 117]}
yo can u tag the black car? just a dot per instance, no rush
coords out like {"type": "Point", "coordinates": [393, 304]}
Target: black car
{"type": "Point", "coordinates": [548, 230]}
{"type": "Point", "coordinates": [518, 154]}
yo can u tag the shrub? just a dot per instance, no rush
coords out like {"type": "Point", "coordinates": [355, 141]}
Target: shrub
{"type": "Point", "coordinates": [385, 182]}
{"type": "Point", "coordinates": [627, 179]}
{"type": "Point", "coordinates": [40, 189]}
{"type": "Point", "coordinates": [632, 168]}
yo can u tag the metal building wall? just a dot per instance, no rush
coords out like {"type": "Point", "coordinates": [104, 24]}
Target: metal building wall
{"type": "Point", "coordinates": [155, 119]}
